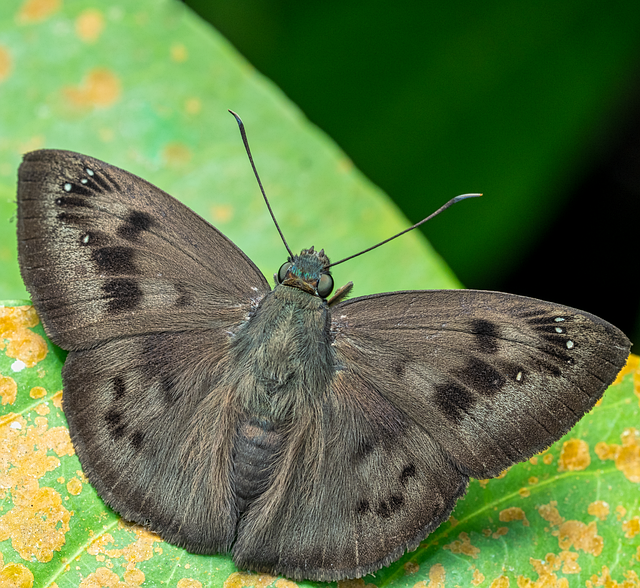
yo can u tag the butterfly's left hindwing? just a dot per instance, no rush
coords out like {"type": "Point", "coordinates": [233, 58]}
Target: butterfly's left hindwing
{"type": "Point", "coordinates": [494, 377]}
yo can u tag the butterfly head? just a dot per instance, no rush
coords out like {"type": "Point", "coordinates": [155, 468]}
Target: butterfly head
{"type": "Point", "coordinates": [307, 273]}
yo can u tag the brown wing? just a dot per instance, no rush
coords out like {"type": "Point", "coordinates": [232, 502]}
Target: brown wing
{"type": "Point", "coordinates": [105, 254]}
{"type": "Point", "coordinates": [429, 388]}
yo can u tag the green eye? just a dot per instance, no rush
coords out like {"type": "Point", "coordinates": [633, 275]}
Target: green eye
{"type": "Point", "coordinates": [325, 285]}
{"type": "Point", "coordinates": [282, 272]}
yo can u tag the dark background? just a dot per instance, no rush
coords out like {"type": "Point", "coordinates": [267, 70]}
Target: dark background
{"type": "Point", "coordinates": [537, 105]}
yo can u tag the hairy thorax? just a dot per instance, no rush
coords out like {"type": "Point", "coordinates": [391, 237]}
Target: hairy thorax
{"type": "Point", "coordinates": [288, 361]}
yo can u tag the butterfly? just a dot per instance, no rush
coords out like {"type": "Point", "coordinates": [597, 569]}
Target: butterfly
{"type": "Point", "coordinates": [315, 437]}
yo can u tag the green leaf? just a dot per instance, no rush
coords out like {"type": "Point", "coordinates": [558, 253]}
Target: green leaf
{"type": "Point", "coordinates": [572, 512]}
{"type": "Point", "coordinates": [146, 86]}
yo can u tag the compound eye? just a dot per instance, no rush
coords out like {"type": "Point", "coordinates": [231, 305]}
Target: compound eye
{"type": "Point", "coordinates": [282, 272]}
{"type": "Point", "coordinates": [325, 285]}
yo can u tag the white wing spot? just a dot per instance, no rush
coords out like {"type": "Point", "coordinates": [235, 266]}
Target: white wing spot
{"type": "Point", "coordinates": [84, 181]}
{"type": "Point", "coordinates": [569, 344]}
{"type": "Point", "coordinates": [558, 330]}
{"type": "Point", "coordinates": [254, 288]}
{"type": "Point", "coordinates": [89, 171]}
{"type": "Point", "coordinates": [559, 319]}
{"type": "Point", "coordinates": [85, 239]}
{"type": "Point", "coordinates": [67, 187]}
{"type": "Point", "coordinates": [519, 377]}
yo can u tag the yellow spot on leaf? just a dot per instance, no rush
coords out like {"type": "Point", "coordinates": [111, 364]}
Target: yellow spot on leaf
{"type": "Point", "coordinates": [605, 579]}
{"type": "Point", "coordinates": [599, 509]}
{"type": "Point", "coordinates": [101, 578]}
{"type": "Point", "coordinates": [221, 213]}
{"type": "Point", "coordinates": [282, 583]}
{"type": "Point", "coordinates": [411, 567]}
{"type": "Point", "coordinates": [179, 53]}
{"type": "Point", "coordinates": [57, 399]}
{"type": "Point", "coordinates": [632, 365]}
{"type": "Point", "coordinates": [514, 514]}
{"type": "Point", "coordinates": [36, 524]}
{"type": "Point", "coordinates": [478, 577]}
{"type": "Point", "coordinates": [570, 562]}
{"type": "Point", "coordinates": [37, 392]}
{"type": "Point", "coordinates": [574, 456]}
{"type": "Point", "coordinates": [550, 513]}
{"type": "Point", "coordinates": [133, 577]}
{"type": "Point", "coordinates": [534, 460]}
{"type": "Point", "coordinates": [631, 527]}
{"type": "Point", "coordinates": [8, 389]}
{"type": "Point", "coordinates": [580, 536]}
{"type": "Point", "coordinates": [620, 512]}
{"type": "Point", "coordinates": [547, 459]}
{"type": "Point", "coordinates": [500, 532]}
{"type": "Point", "coordinates": [626, 456]}
{"type": "Point", "coordinates": [100, 88]}
{"type": "Point", "coordinates": [500, 582]}
{"type": "Point", "coordinates": [89, 25]}
{"type": "Point", "coordinates": [5, 63]}
{"type": "Point", "coordinates": [23, 344]}
{"type": "Point", "coordinates": [176, 154]}
{"type": "Point", "coordinates": [38, 10]}
{"type": "Point", "coordinates": [546, 576]}
{"type": "Point", "coordinates": [242, 579]}
{"type": "Point", "coordinates": [74, 486]}
{"type": "Point", "coordinates": [188, 583]}
{"type": "Point", "coordinates": [524, 492]}
{"type": "Point", "coordinates": [193, 106]}
{"type": "Point", "coordinates": [15, 575]}
{"type": "Point", "coordinates": [42, 409]}
{"type": "Point", "coordinates": [463, 545]}
{"type": "Point", "coordinates": [533, 480]}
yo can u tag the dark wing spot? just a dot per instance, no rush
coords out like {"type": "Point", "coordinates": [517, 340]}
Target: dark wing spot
{"type": "Point", "coordinates": [98, 184]}
{"type": "Point", "coordinates": [119, 387]}
{"type": "Point", "coordinates": [363, 507]}
{"type": "Point", "coordinates": [399, 367]}
{"type": "Point", "coordinates": [383, 510]}
{"type": "Point", "coordinates": [453, 400]}
{"type": "Point", "coordinates": [72, 201]}
{"type": "Point", "coordinates": [395, 502]}
{"type": "Point", "coordinates": [115, 260]}
{"type": "Point", "coordinates": [408, 472]}
{"type": "Point", "coordinates": [365, 447]}
{"type": "Point", "coordinates": [170, 391]}
{"type": "Point", "coordinates": [487, 335]}
{"type": "Point", "coordinates": [136, 223]}
{"type": "Point", "coordinates": [114, 422]}
{"type": "Point", "coordinates": [137, 439]}
{"type": "Point", "coordinates": [72, 219]}
{"type": "Point", "coordinates": [122, 295]}
{"type": "Point", "coordinates": [482, 377]}
{"type": "Point", "coordinates": [185, 298]}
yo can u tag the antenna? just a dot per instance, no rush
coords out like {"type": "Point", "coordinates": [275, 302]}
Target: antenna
{"type": "Point", "coordinates": [255, 171]}
{"type": "Point", "coordinates": [424, 220]}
